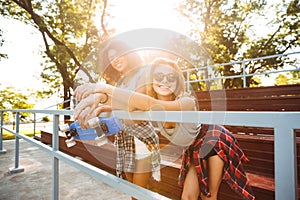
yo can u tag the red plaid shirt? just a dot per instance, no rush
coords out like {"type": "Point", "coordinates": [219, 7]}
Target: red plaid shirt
{"type": "Point", "coordinates": [227, 147]}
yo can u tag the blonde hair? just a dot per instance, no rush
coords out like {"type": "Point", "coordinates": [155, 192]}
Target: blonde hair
{"type": "Point", "coordinates": [180, 78]}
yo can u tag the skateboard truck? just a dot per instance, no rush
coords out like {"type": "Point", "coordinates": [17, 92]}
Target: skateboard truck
{"type": "Point", "coordinates": [70, 141]}
{"type": "Point", "coordinates": [101, 129]}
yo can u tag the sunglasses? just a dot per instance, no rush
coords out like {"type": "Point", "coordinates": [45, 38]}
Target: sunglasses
{"type": "Point", "coordinates": [171, 77]}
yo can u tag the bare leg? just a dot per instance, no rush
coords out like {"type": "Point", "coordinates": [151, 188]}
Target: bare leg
{"type": "Point", "coordinates": [191, 185]}
{"type": "Point", "coordinates": [129, 176]}
{"type": "Point", "coordinates": [142, 174]}
{"type": "Point", "coordinates": [215, 175]}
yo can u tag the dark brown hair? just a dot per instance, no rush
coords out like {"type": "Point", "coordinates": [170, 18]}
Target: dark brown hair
{"type": "Point", "coordinates": [110, 74]}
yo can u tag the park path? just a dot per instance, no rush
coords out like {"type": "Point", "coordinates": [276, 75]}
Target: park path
{"type": "Point", "coordinates": [35, 182]}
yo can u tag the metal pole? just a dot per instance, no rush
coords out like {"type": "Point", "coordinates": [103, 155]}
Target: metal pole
{"type": "Point", "coordinates": [2, 151]}
{"type": "Point", "coordinates": [285, 174]}
{"type": "Point", "coordinates": [55, 161]}
{"type": "Point", "coordinates": [16, 169]}
{"type": "Point", "coordinates": [244, 74]}
{"type": "Point", "coordinates": [34, 124]}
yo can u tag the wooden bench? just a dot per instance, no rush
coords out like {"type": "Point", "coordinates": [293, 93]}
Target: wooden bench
{"type": "Point", "coordinates": [104, 158]}
{"type": "Point", "coordinates": [260, 169]}
{"type": "Point", "coordinates": [272, 98]}
{"type": "Point", "coordinates": [256, 142]}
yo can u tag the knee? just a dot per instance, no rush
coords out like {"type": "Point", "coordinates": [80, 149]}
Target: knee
{"type": "Point", "coordinates": [189, 196]}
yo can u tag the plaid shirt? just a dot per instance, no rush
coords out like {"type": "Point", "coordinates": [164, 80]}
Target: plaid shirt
{"type": "Point", "coordinates": [126, 148]}
{"type": "Point", "coordinates": [227, 147]}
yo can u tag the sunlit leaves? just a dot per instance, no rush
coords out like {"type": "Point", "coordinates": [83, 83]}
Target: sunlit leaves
{"type": "Point", "coordinates": [226, 30]}
{"type": "Point", "coordinates": [12, 99]}
{"type": "Point", "coordinates": [69, 32]}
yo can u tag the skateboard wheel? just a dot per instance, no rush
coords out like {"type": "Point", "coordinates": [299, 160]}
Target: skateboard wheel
{"type": "Point", "coordinates": [64, 127]}
{"type": "Point", "coordinates": [70, 142]}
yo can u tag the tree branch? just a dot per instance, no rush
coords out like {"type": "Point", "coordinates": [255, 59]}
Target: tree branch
{"type": "Point", "coordinates": [26, 5]}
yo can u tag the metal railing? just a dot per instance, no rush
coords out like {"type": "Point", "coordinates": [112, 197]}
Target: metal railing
{"type": "Point", "coordinates": [101, 175]}
{"type": "Point", "coordinates": [283, 123]}
{"type": "Point", "coordinates": [244, 73]}
{"type": "Point", "coordinates": [56, 105]}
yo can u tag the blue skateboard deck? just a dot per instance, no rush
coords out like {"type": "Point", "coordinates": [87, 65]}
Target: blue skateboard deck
{"type": "Point", "coordinates": [101, 127]}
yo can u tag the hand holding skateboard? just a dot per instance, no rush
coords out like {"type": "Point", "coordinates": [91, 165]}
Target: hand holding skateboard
{"type": "Point", "coordinates": [100, 128]}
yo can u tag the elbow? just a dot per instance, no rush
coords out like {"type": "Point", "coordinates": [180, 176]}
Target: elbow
{"type": "Point", "coordinates": [188, 104]}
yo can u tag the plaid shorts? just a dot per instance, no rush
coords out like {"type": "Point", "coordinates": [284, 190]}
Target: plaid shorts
{"type": "Point", "coordinates": [220, 140]}
{"type": "Point", "coordinates": [126, 147]}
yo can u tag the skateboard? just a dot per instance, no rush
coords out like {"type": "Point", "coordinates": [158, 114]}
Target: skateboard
{"type": "Point", "coordinates": [100, 128]}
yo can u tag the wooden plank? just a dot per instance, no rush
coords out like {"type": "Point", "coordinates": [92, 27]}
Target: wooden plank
{"type": "Point", "coordinates": [275, 98]}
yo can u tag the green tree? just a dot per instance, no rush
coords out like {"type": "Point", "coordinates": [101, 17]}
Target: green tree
{"type": "Point", "coordinates": [69, 32]}
{"type": "Point", "coordinates": [284, 37]}
{"type": "Point", "coordinates": [289, 78]}
{"type": "Point", "coordinates": [10, 99]}
{"type": "Point", "coordinates": [223, 27]}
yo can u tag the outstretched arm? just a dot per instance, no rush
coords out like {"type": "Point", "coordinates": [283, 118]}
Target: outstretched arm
{"type": "Point", "coordinates": [125, 99]}
{"type": "Point", "coordinates": [144, 102]}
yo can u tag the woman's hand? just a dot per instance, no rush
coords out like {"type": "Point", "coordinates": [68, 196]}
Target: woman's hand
{"type": "Point", "coordinates": [84, 90]}
{"type": "Point", "coordinates": [102, 108]}
{"type": "Point", "coordinates": [91, 101]}
{"type": "Point", "coordinates": [89, 108]}
{"type": "Point", "coordinates": [91, 112]}
{"type": "Point", "coordinates": [84, 116]}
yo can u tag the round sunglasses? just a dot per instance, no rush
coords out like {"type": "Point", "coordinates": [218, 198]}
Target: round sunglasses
{"type": "Point", "coordinates": [159, 76]}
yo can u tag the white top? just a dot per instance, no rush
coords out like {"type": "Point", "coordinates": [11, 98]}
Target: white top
{"type": "Point", "coordinates": [182, 135]}
{"type": "Point", "coordinates": [135, 79]}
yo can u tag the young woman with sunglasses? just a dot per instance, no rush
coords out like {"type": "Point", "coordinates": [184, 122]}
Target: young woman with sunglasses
{"type": "Point", "coordinates": [211, 154]}
{"type": "Point", "coordinates": [138, 145]}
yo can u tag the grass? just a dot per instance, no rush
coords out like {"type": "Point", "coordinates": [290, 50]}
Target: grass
{"type": "Point", "coordinates": [9, 136]}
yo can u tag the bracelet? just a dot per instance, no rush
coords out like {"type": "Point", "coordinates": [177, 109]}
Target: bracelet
{"type": "Point", "coordinates": [106, 98]}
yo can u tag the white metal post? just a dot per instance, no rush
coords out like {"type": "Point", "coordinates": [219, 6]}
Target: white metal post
{"type": "Point", "coordinates": [285, 161]}
{"type": "Point", "coordinates": [2, 151]}
{"type": "Point", "coordinates": [17, 169]}
{"type": "Point", "coordinates": [55, 160]}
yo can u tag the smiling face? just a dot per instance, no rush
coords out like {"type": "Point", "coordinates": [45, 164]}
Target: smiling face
{"type": "Point", "coordinates": [164, 81]}
{"type": "Point", "coordinates": [118, 63]}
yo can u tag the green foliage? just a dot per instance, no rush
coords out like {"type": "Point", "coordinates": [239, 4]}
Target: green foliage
{"type": "Point", "coordinates": [46, 119]}
{"type": "Point", "coordinates": [288, 78]}
{"type": "Point", "coordinates": [11, 99]}
{"type": "Point", "coordinates": [225, 29]}
{"type": "Point", "coordinates": [69, 32]}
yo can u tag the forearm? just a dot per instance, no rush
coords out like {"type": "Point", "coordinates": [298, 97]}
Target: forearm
{"type": "Point", "coordinates": [130, 100]}
{"type": "Point", "coordinates": [135, 100]}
